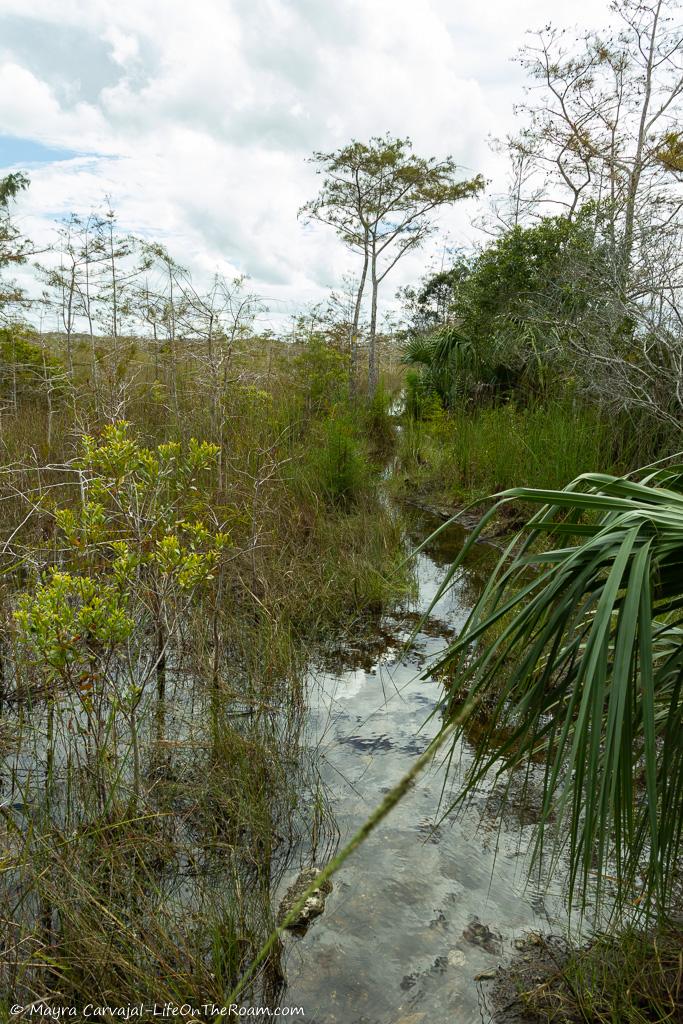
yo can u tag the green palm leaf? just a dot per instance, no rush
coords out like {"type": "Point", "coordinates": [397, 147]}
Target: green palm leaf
{"type": "Point", "coordinates": [579, 650]}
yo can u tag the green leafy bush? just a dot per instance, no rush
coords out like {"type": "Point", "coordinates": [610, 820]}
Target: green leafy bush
{"type": "Point", "coordinates": [321, 376]}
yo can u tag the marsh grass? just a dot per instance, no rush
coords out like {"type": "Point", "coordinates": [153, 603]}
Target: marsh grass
{"type": "Point", "coordinates": [166, 905]}
{"type": "Point", "coordinates": [166, 897]}
{"type": "Point", "coordinates": [631, 977]}
{"type": "Point", "coordinates": [141, 838]}
{"type": "Point", "coordinates": [338, 468]}
{"type": "Point", "coordinates": [471, 454]}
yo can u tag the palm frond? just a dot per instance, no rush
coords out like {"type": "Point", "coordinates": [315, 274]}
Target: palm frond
{"type": "Point", "coordinates": [449, 361]}
{"type": "Point", "coordinates": [579, 649]}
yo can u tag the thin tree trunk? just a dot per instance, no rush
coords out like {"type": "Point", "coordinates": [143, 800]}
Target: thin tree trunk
{"type": "Point", "coordinates": [373, 373]}
{"type": "Point", "coordinates": [173, 353]}
{"type": "Point", "coordinates": [161, 659]}
{"type": "Point", "coordinates": [48, 394]}
{"type": "Point", "coordinates": [353, 369]}
{"type": "Point", "coordinates": [137, 773]}
{"type": "Point", "coordinates": [95, 370]}
{"type": "Point", "coordinates": [634, 178]}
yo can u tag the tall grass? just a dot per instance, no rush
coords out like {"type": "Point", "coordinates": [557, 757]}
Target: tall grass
{"type": "Point", "coordinates": [467, 454]}
{"type": "Point", "coordinates": [166, 896]}
{"type": "Point", "coordinates": [337, 465]}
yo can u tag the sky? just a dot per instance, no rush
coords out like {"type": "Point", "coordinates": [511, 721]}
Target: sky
{"type": "Point", "coordinates": [196, 117]}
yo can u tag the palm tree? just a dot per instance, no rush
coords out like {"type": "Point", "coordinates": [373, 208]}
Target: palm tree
{"type": "Point", "coordinates": [579, 650]}
{"type": "Point", "coordinates": [447, 365]}
{"type": "Point", "coordinates": [455, 368]}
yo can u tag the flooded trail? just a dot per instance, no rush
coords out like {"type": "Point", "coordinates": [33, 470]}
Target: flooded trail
{"type": "Point", "coordinates": [424, 906]}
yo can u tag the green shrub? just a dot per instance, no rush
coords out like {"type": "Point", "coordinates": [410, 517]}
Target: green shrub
{"type": "Point", "coordinates": [378, 419]}
{"type": "Point", "coordinates": [321, 375]}
{"type": "Point", "coordinates": [26, 369]}
{"type": "Point", "coordinates": [338, 466]}
{"type": "Point", "coordinates": [422, 402]}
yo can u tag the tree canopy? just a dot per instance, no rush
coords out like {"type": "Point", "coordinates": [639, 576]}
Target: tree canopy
{"type": "Point", "coordinates": [379, 197]}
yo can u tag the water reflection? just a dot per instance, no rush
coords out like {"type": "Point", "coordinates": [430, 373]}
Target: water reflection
{"type": "Point", "coordinates": [398, 941]}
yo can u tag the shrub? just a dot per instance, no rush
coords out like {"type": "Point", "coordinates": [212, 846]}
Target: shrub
{"type": "Point", "coordinates": [26, 369]}
{"type": "Point", "coordinates": [339, 469]}
{"type": "Point", "coordinates": [321, 374]}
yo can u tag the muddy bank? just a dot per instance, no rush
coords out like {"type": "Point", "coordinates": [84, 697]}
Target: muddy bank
{"type": "Point", "coordinates": [631, 975]}
{"type": "Point", "coordinates": [536, 968]}
{"type": "Point", "coordinates": [507, 521]}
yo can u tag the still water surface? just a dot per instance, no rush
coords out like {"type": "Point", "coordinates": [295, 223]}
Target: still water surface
{"type": "Point", "coordinates": [390, 948]}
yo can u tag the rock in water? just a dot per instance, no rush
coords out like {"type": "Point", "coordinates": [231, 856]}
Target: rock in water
{"type": "Point", "coordinates": [314, 905]}
{"type": "Point", "coordinates": [481, 935]}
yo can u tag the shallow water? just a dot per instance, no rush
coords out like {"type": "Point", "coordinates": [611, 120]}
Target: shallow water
{"type": "Point", "coordinates": [390, 948]}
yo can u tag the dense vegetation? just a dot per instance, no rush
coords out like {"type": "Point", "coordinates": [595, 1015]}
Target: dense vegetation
{"type": "Point", "coordinates": [511, 346]}
{"type": "Point", "coordinates": [183, 523]}
{"type": "Point", "coordinates": [545, 368]}
{"type": "Point", "coordinates": [190, 507]}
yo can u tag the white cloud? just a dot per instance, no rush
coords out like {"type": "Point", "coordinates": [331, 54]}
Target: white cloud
{"type": "Point", "coordinates": [29, 108]}
{"type": "Point", "coordinates": [124, 46]}
{"type": "Point", "coordinates": [202, 123]}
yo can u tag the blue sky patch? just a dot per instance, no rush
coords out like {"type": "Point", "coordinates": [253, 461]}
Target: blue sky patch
{"type": "Point", "coordinates": [14, 150]}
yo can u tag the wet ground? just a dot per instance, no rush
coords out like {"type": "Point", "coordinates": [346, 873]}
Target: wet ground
{"type": "Point", "coordinates": [428, 903]}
